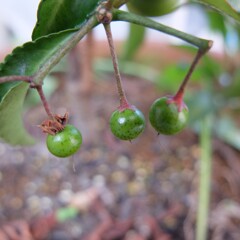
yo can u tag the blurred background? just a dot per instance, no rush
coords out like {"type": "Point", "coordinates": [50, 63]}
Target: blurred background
{"type": "Point", "coordinates": [147, 189]}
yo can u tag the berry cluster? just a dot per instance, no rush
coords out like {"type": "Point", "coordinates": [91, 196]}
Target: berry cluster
{"type": "Point", "coordinates": [168, 115]}
{"type": "Point", "coordinates": [126, 123]}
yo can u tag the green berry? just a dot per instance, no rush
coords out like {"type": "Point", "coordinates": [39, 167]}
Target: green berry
{"type": "Point", "coordinates": [127, 124]}
{"type": "Point", "coordinates": [65, 143]}
{"type": "Point", "coordinates": [167, 117]}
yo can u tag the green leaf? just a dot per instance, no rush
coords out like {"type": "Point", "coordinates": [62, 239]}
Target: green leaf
{"type": "Point", "coordinates": [222, 6]}
{"type": "Point", "coordinates": [134, 41]}
{"type": "Point", "coordinates": [12, 129]}
{"type": "Point", "coordinates": [154, 8]}
{"type": "Point", "coordinates": [25, 60]}
{"type": "Point", "coordinates": [217, 23]}
{"type": "Point", "coordinates": [55, 16]}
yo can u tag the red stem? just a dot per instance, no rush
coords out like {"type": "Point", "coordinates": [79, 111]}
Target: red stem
{"type": "Point", "coordinates": [123, 100]}
{"type": "Point", "coordinates": [44, 101]}
{"type": "Point", "coordinates": [179, 95]}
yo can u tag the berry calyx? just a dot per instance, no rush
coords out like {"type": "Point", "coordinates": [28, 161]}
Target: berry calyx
{"type": "Point", "coordinates": [128, 123]}
{"type": "Point", "coordinates": [65, 142]}
{"type": "Point", "coordinates": [168, 115]}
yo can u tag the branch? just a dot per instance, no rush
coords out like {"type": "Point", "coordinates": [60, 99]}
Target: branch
{"type": "Point", "coordinates": [203, 44]}
{"type": "Point", "coordinates": [14, 78]}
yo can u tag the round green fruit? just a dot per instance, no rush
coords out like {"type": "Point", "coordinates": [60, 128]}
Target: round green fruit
{"type": "Point", "coordinates": [166, 117]}
{"type": "Point", "coordinates": [153, 8]}
{"type": "Point", "coordinates": [127, 124]}
{"type": "Point", "coordinates": [65, 143]}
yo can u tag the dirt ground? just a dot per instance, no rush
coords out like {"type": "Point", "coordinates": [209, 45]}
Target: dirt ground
{"type": "Point", "coordinates": [147, 188]}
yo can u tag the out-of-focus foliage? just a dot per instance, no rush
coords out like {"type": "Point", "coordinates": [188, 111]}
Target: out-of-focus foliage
{"type": "Point", "coordinates": [154, 8]}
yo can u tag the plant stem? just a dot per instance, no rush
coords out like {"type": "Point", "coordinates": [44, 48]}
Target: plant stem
{"type": "Point", "coordinates": [180, 92]}
{"type": "Point", "coordinates": [202, 44]}
{"type": "Point", "coordinates": [14, 78]}
{"type": "Point", "coordinates": [204, 179]}
{"type": "Point", "coordinates": [121, 93]}
{"type": "Point", "coordinates": [64, 49]}
{"type": "Point", "coordinates": [44, 101]}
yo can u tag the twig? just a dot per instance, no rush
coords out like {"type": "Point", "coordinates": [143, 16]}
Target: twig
{"type": "Point", "coordinates": [182, 87]}
{"type": "Point", "coordinates": [14, 78]}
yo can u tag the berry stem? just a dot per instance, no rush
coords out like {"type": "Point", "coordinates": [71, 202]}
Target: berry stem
{"type": "Point", "coordinates": [122, 96]}
{"type": "Point", "coordinates": [44, 100]}
{"type": "Point", "coordinates": [179, 95]}
{"type": "Point", "coordinates": [14, 78]}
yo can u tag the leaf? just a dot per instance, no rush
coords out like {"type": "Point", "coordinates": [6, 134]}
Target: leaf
{"type": "Point", "coordinates": [217, 23]}
{"type": "Point", "coordinates": [223, 7]}
{"type": "Point", "coordinates": [134, 41]}
{"type": "Point", "coordinates": [12, 129]}
{"type": "Point", "coordinates": [25, 60]}
{"type": "Point", "coordinates": [154, 8]}
{"type": "Point", "coordinates": [55, 16]}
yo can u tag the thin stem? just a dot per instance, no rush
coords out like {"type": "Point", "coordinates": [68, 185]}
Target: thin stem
{"type": "Point", "coordinates": [44, 101]}
{"type": "Point", "coordinates": [122, 96]}
{"type": "Point", "coordinates": [204, 179]}
{"type": "Point", "coordinates": [14, 78]}
{"type": "Point", "coordinates": [182, 87]}
{"type": "Point", "coordinates": [202, 44]}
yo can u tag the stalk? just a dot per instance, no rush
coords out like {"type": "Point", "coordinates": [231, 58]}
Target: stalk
{"type": "Point", "coordinates": [14, 78]}
{"type": "Point", "coordinates": [204, 179]}
{"type": "Point", "coordinates": [179, 95]}
{"type": "Point", "coordinates": [44, 101]}
{"type": "Point", "coordinates": [122, 96]}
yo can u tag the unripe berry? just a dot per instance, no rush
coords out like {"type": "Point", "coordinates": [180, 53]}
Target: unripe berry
{"type": "Point", "coordinates": [127, 124]}
{"type": "Point", "coordinates": [167, 116]}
